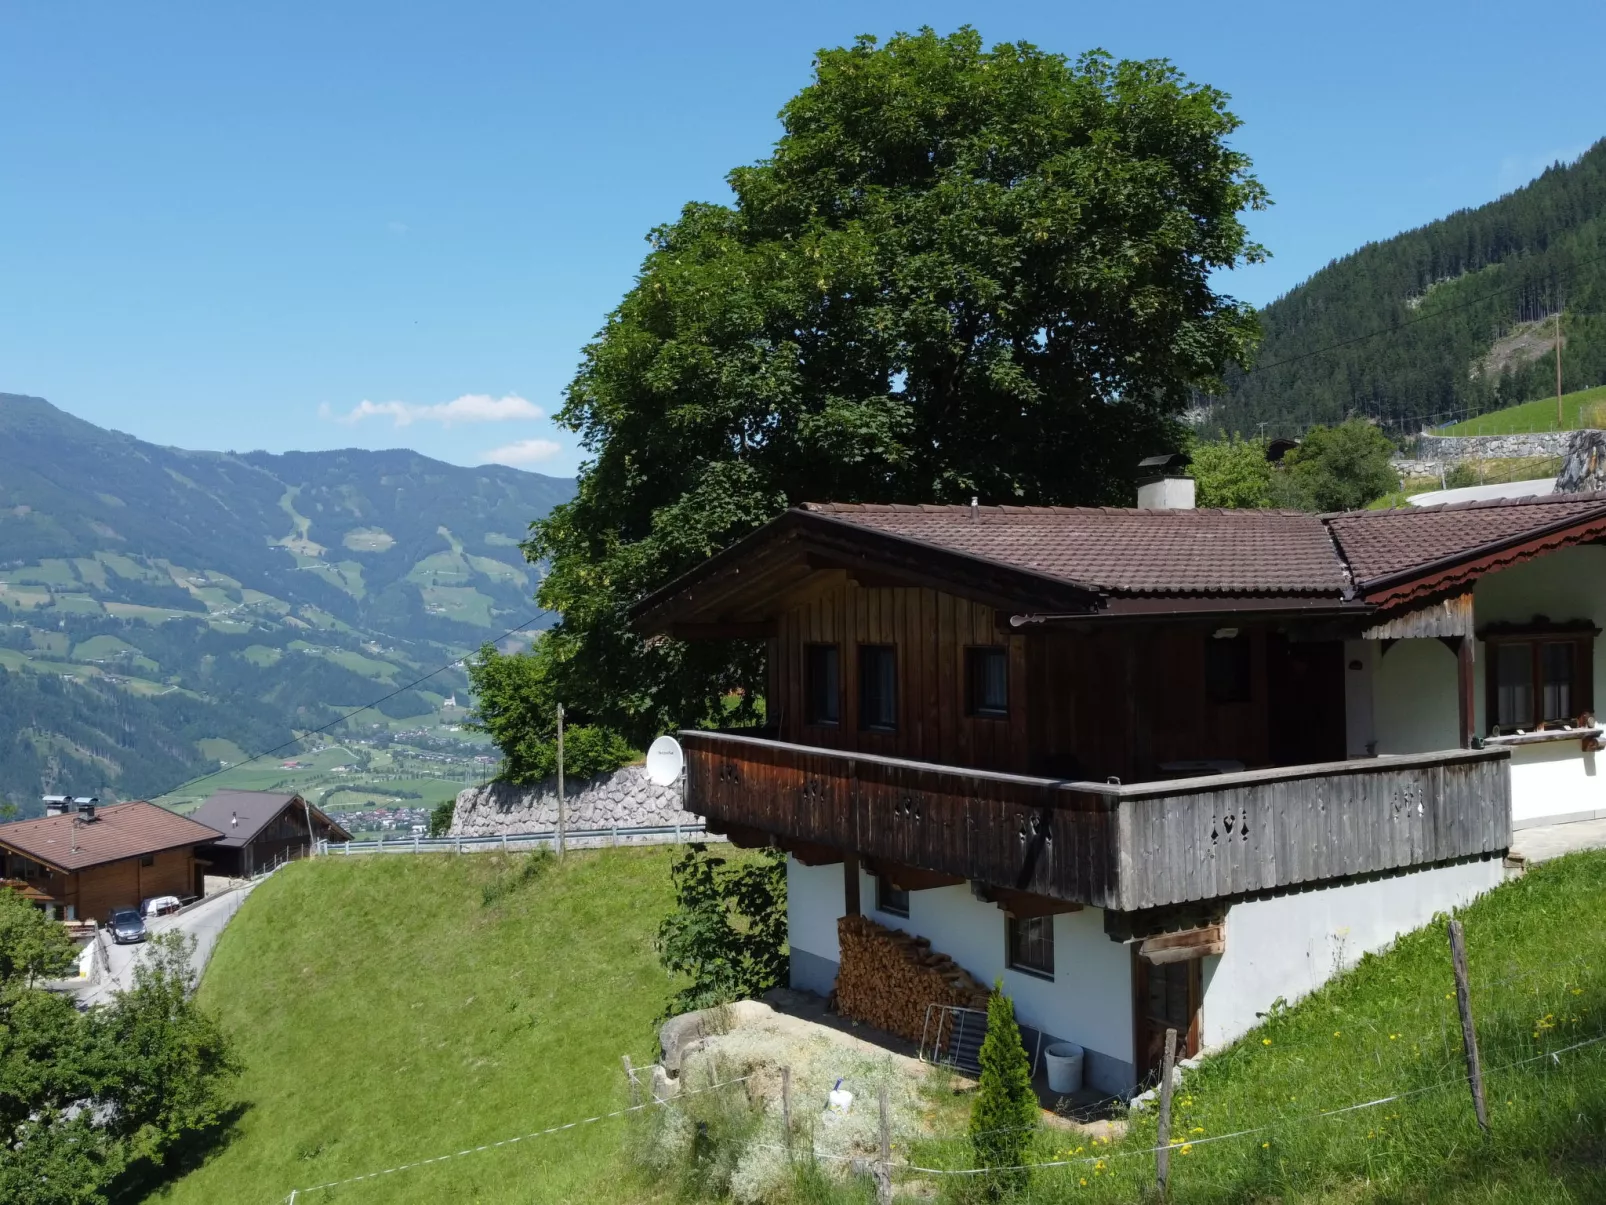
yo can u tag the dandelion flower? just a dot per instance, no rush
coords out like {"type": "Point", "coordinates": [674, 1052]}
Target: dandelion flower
{"type": "Point", "coordinates": [1265, 1041]}
{"type": "Point", "coordinates": [1335, 1033]}
{"type": "Point", "coordinates": [1084, 1181]}
{"type": "Point", "coordinates": [1198, 1129]}
{"type": "Point", "coordinates": [1187, 1148]}
{"type": "Point", "coordinates": [1265, 1146]}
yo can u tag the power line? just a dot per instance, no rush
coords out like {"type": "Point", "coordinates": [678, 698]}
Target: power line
{"type": "Point", "coordinates": [340, 719]}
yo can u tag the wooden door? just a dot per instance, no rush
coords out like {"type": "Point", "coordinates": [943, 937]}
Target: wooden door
{"type": "Point", "coordinates": [1167, 997]}
{"type": "Point", "coordinates": [1305, 693]}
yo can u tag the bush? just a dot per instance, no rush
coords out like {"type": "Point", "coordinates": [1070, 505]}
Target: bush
{"type": "Point", "coordinates": [1232, 473]}
{"type": "Point", "coordinates": [728, 929]}
{"type": "Point", "coordinates": [441, 816]}
{"type": "Point", "coordinates": [1338, 468]}
{"type": "Point", "coordinates": [1005, 1113]}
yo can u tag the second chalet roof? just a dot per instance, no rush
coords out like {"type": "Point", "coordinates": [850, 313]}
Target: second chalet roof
{"type": "Point", "coordinates": [1127, 551]}
{"type": "Point", "coordinates": [241, 815]}
{"type": "Point", "coordinates": [1383, 544]}
{"type": "Point", "coordinates": [118, 831]}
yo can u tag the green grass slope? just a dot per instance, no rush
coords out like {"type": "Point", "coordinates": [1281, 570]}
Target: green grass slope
{"type": "Point", "coordinates": [1585, 408]}
{"type": "Point", "coordinates": [1388, 1032]}
{"type": "Point", "coordinates": [386, 1014]}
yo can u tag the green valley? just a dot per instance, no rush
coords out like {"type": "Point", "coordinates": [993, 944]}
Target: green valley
{"type": "Point", "coordinates": [195, 606]}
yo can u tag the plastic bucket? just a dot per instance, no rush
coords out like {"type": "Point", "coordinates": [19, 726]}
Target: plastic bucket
{"type": "Point", "coordinates": [1063, 1061]}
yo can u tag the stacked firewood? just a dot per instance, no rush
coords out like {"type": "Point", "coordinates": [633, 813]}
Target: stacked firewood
{"type": "Point", "coordinates": [887, 978]}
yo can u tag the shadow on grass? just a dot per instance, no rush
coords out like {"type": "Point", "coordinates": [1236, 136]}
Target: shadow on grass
{"type": "Point", "coordinates": [144, 1176]}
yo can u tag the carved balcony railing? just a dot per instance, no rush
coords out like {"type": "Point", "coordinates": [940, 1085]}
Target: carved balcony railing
{"type": "Point", "coordinates": [1122, 847]}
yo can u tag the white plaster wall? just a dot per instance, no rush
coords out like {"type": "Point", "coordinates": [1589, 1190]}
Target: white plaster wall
{"type": "Point", "coordinates": [813, 904]}
{"type": "Point", "coordinates": [1552, 782]}
{"type": "Point", "coordinates": [1289, 946]}
{"type": "Point", "coordinates": [1413, 698]}
{"type": "Point", "coordinates": [1360, 665]}
{"type": "Point", "coordinates": [1089, 1000]}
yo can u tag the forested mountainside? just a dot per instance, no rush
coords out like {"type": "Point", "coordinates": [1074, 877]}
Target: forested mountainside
{"type": "Point", "coordinates": [162, 610]}
{"type": "Point", "coordinates": [1468, 303]}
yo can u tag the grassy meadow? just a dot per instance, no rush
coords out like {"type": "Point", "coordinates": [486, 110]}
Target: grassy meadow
{"type": "Point", "coordinates": [1389, 1028]}
{"type": "Point", "coordinates": [391, 1009]}
{"type": "Point", "coordinates": [1585, 408]}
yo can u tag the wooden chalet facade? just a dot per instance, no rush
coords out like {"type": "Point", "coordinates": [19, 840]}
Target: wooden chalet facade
{"type": "Point", "coordinates": [1148, 717]}
{"type": "Point", "coordinates": [85, 863]}
{"type": "Point", "coordinates": [262, 828]}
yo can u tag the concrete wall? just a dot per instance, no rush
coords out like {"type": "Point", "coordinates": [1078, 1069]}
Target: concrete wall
{"type": "Point", "coordinates": [1288, 946]}
{"type": "Point", "coordinates": [1089, 1000]}
{"type": "Point", "coordinates": [622, 799]}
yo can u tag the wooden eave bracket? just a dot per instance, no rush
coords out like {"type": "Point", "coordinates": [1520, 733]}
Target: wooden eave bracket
{"type": "Point", "coordinates": [912, 878]}
{"type": "Point", "coordinates": [1022, 904]}
{"type": "Point", "coordinates": [1180, 947]}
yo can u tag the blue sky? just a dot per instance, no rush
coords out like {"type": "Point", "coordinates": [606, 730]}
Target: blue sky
{"type": "Point", "coordinates": [306, 225]}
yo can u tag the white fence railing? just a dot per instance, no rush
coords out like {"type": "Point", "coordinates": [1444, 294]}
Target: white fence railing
{"type": "Point", "coordinates": [574, 838]}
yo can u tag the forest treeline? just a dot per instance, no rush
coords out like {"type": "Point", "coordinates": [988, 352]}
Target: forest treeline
{"type": "Point", "coordinates": [1444, 294]}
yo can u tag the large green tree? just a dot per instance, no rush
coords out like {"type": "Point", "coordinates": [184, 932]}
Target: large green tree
{"type": "Point", "coordinates": [961, 272]}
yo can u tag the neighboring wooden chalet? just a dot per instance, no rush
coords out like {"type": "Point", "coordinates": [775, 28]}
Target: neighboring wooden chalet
{"type": "Point", "coordinates": [84, 863]}
{"type": "Point", "coordinates": [1127, 731]}
{"type": "Point", "coordinates": [261, 828]}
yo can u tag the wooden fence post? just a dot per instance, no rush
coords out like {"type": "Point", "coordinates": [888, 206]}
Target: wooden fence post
{"type": "Point", "coordinates": [630, 1074]}
{"type": "Point", "coordinates": [561, 817]}
{"type": "Point", "coordinates": [1162, 1154]}
{"type": "Point", "coordinates": [1469, 1035]}
{"type": "Point", "coordinates": [883, 1171]}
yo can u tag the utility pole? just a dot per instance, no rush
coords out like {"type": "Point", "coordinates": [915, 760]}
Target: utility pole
{"type": "Point", "coordinates": [560, 781]}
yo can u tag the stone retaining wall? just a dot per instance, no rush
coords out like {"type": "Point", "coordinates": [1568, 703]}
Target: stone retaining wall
{"type": "Point", "coordinates": [623, 799]}
{"type": "Point", "coordinates": [1451, 449]}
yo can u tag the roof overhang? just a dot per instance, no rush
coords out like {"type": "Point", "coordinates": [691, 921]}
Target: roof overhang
{"type": "Point", "coordinates": [729, 595]}
{"type": "Point", "coordinates": [1455, 574]}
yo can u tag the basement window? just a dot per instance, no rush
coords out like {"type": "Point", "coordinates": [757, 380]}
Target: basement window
{"type": "Point", "coordinates": [1031, 944]}
{"type": "Point", "coordinates": [987, 682]}
{"type": "Point", "coordinates": [894, 901]}
{"type": "Point", "coordinates": [822, 684]}
{"type": "Point", "coordinates": [878, 687]}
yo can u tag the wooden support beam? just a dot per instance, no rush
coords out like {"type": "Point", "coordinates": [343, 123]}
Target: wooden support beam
{"type": "Point", "coordinates": [912, 878]}
{"type": "Point", "coordinates": [1464, 694]}
{"type": "Point", "coordinates": [811, 855]}
{"type": "Point", "coordinates": [1024, 904]}
{"type": "Point", "coordinates": [1189, 943]}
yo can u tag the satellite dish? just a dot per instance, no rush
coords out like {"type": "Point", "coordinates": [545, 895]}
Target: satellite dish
{"type": "Point", "coordinates": [665, 761]}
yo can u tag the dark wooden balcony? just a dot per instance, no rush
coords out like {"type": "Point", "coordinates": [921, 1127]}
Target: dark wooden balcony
{"type": "Point", "coordinates": [1122, 847]}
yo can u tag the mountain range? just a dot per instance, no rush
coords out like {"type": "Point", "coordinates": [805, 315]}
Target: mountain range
{"type": "Point", "coordinates": [1437, 324]}
{"type": "Point", "coordinates": [157, 604]}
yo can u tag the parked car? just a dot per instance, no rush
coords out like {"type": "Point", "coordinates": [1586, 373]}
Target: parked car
{"type": "Point", "coordinates": [126, 925]}
{"type": "Point", "coordinates": [160, 905]}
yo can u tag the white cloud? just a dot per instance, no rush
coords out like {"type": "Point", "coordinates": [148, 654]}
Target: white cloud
{"type": "Point", "coordinates": [525, 451]}
{"type": "Point", "coordinates": [470, 408]}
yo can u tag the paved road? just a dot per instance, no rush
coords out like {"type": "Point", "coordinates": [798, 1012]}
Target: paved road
{"type": "Point", "coordinates": [204, 922]}
{"type": "Point", "coordinates": [1552, 840]}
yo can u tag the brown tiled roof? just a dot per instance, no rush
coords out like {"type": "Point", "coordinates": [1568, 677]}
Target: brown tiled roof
{"type": "Point", "coordinates": [241, 815]}
{"type": "Point", "coordinates": [1382, 544]}
{"type": "Point", "coordinates": [1125, 551]}
{"type": "Point", "coordinates": [119, 830]}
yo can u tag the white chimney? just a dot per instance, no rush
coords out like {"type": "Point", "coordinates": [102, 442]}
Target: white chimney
{"type": "Point", "coordinates": [1162, 483]}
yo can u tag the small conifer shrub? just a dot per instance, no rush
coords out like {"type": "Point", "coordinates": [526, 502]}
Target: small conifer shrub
{"type": "Point", "coordinates": [1005, 1113]}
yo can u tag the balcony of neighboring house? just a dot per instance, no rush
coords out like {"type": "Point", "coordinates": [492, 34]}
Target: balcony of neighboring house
{"type": "Point", "coordinates": [1122, 847]}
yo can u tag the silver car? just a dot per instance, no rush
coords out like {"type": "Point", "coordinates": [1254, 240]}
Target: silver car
{"type": "Point", "coordinates": [126, 925]}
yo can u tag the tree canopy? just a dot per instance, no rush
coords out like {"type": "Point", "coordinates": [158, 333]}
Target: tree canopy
{"type": "Point", "coordinates": [962, 271]}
